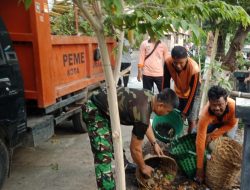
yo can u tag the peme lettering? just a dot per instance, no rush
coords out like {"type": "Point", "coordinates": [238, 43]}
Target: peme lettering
{"type": "Point", "coordinates": [71, 59]}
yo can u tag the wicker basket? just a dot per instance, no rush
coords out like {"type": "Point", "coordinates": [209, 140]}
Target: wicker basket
{"type": "Point", "coordinates": [164, 163]}
{"type": "Point", "coordinates": [184, 151]}
{"type": "Point", "coordinates": [223, 169]}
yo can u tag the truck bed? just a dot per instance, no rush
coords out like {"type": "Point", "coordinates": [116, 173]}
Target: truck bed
{"type": "Point", "coordinates": [52, 66]}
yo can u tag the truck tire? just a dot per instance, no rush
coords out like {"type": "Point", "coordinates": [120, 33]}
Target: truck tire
{"type": "Point", "coordinates": [78, 124]}
{"type": "Point", "coordinates": [4, 163]}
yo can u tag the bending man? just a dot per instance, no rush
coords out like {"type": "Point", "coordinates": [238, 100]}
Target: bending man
{"type": "Point", "coordinates": [135, 108]}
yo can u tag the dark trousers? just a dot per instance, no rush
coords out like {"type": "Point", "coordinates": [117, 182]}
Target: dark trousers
{"type": "Point", "coordinates": [126, 76]}
{"type": "Point", "coordinates": [148, 82]}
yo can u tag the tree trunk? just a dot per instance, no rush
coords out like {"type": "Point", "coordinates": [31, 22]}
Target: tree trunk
{"type": "Point", "coordinates": [114, 113]}
{"type": "Point", "coordinates": [211, 51]}
{"type": "Point", "coordinates": [220, 54]}
{"type": "Point", "coordinates": [98, 27]}
{"type": "Point", "coordinates": [236, 45]}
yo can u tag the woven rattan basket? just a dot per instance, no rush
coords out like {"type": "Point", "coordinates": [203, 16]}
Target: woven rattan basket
{"type": "Point", "coordinates": [164, 163]}
{"type": "Point", "coordinates": [223, 169]}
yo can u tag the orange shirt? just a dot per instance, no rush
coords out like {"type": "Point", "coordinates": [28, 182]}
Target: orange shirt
{"type": "Point", "coordinates": [186, 82]}
{"type": "Point", "coordinates": [153, 65]}
{"type": "Point", "coordinates": [182, 80]}
{"type": "Point", "coordinates": [229, 121]}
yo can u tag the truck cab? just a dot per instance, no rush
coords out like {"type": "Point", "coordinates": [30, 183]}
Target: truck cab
{"type": "Point", "coordinates": [12, 115]}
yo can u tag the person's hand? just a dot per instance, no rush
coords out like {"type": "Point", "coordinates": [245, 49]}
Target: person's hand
{"type": "Point", "coordinates": [147, 171]}
{"type": "Point", "coordinates": [208, 139]}
{"type": "Point", "coordinates": [199, 175]}
{"type": "Point", "coordinates": [139, 76]}
{"type": "Point", "coordinates": [246, 80]}
{"type": "Point", "coordinates": [158, 150]}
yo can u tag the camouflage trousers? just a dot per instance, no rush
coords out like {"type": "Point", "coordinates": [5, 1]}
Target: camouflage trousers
{"type": "Point", "coordinates": [99, 131]}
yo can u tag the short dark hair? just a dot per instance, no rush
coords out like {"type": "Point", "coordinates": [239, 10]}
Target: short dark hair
{"type": "Point", "coordinates": [179, 52]}
{"type": "Point", "coordinates": [216, 92]}
{"type": "Point", "coordinates": [168, 96]}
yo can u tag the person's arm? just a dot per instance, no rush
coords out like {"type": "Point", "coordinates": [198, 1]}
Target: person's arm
{"type": "Point", "coordinates": [247, 79]}
{"type": "Point", "coordinates": [194, 85]}
{"type": "Point", "coordinates": [136, 153]}
{"type": "Point", "coordinates": [166, 77]}
{"type": "Point", "coordinates": [141, 61]}
{"type": "Point", "coordinates": [223, 129]}
{"type": "Point", "coordinates": [151, 137]}
{"type": "Point", "coordinates": [201, 145]}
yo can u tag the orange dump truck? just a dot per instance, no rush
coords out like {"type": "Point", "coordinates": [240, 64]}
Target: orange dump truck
{"type": "Point", "coordinates": [44, 78]}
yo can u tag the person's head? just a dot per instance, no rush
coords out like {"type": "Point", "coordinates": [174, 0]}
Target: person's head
{"type": "Point", "coordinates": [217, 97]}
{"type": "Point", "coordinates": [180, 56]}
{"type": "Point", "coordinates": [165, 102]}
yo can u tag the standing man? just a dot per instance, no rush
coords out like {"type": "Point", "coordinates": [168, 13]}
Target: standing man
{"type": "Point", "coordinates": [125, 63]}
{"type": "Point", "coordinates": [135, 108]}
{"type": "Point", "coordinates": [217, 118]}
{"type": "Point", "coordinates": [185, 73]}
{"type": "Point", "coordinates": [150, 68]}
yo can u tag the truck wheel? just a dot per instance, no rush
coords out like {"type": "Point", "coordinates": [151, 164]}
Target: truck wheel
{"type": "Point", "coordinates": [78, 124]}
{"type": "Point", "coordinates": [4, 163]}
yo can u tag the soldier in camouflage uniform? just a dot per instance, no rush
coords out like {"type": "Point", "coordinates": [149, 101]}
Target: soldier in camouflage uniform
{"type": "Point", "coordinates": [135, 108]}
{"type": "Point", "coordinates": [101, 144]}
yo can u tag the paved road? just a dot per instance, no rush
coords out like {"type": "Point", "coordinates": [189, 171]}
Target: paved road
{"type": "Point", "coordinates": [65, 162]}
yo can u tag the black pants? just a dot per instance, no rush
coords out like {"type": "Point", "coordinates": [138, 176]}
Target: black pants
{"type": "Point", "coordinates": [148, 82]}
{"type": "Point", "coordinates": [126, 76]}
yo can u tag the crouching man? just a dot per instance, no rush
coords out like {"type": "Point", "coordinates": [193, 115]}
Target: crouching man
{"type": "Point", "coordinates": [135, 108]}
{"type": "Point", "coordinates": [217, 119]}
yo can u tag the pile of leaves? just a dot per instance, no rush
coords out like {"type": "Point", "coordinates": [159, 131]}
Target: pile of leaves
{"type": "Point", "coordinates": [187, 185]}
{"type": "Point", "coordinates": [163, 181]}
{"type": "Point", "coordinates": [159, 180]}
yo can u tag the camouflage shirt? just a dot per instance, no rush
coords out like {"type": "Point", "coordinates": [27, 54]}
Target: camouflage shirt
{"type": "Point", "coordinates": [134, 107]}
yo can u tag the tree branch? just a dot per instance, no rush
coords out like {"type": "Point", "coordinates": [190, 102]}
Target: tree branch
{"type": "Point", "coordinates": [97, 9]}
{"type": "Point", "coordinates": [94, 22]}
{"type": "Point", "coordinates": [125, 71]}
{"type": "Point", "coordinates": [119, 52]}
{"type": "Point", "coordinates": [149, 5]}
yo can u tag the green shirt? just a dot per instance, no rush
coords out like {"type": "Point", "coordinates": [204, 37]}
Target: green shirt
{"type": "Point", "coordinates": [134, 107]}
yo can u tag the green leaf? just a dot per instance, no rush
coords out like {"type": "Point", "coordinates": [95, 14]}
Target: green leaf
{"type": "Point", "coordinates": [168, 27]}
{"type": "Point", "coordinates": [195, 30]}
{"type": "Point", "coordinates": [118, 5]}
{"type": "Point", "coordinates": [27, 4]}
{"type": "Point", "coordinates": [142, 28]}
{"type": "Point", "coordinates": [184, 25]}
